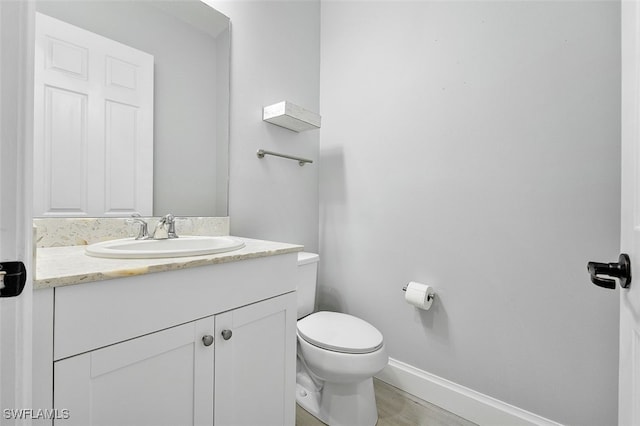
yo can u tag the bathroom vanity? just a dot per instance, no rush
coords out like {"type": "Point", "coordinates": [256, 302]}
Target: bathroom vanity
{"type": "Point", "coordinates": [202, 340]}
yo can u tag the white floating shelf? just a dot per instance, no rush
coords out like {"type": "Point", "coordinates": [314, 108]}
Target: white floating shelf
{"type": "Point", "coordinates": [291, 116]}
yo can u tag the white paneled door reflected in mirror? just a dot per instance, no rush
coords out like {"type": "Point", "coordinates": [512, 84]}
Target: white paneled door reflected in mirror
{"type": "Point", "coordinates": [131, 109]}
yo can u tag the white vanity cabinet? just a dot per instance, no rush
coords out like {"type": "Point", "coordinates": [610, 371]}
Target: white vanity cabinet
{"type": "Point", "coordinates": [137, 350]}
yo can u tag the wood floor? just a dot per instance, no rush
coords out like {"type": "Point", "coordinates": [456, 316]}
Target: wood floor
{"type": "Point", "coordinates": [398, 408]}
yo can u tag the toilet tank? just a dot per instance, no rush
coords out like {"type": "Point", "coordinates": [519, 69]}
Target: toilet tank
{"type": "Point", "coordinates": [307, 279]}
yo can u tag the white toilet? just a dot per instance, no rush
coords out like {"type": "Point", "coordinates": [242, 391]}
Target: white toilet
{"type": "Point", "coordinates": [338, 354]}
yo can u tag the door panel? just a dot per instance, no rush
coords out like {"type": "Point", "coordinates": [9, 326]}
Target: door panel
{"type": "Point", "coordinates": [120, 152]}
{"type": "Point", "coordinates": [629, 364]}
{"type": "Point", "coordinates": [65, 146]}
{"type": "Point", "coordinates": [16, 106]}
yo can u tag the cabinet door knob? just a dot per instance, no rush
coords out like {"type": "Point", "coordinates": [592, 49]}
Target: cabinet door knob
{"type": "Point", "coordinates": [226, 334]}
{"type": "Point", "coordinates": [207, 339]}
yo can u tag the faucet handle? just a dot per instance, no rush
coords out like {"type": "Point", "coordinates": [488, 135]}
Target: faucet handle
{"type": "Point", "coordinates": [170, 221]}
{"type": "Point", "coordinates": [143, 231]}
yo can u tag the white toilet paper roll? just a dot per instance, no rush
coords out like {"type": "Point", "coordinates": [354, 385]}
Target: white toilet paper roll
{"type": "Point", "coordinates": [419, 295]}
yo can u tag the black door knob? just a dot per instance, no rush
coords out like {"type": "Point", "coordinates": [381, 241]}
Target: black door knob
{"type": "Point", "coordinates": [620, 270]}
{"type": "Point", "coordinates": [13, 277]}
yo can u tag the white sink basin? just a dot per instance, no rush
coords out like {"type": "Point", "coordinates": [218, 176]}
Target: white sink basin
{"type": "Point", "coordinates": [130, 248]}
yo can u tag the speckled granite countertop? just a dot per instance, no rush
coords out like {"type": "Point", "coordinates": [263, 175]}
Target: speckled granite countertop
{"type": "Point", "coordinates": [61, 266]}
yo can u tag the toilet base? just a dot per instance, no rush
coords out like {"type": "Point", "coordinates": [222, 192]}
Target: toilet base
{"type": "Point", "coordinates": [340, 404]}
{"type": "Point", "coordinates": [309, 401]}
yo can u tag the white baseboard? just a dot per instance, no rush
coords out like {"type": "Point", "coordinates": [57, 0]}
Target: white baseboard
{"type": "Point", "coordinates": [464, 402]}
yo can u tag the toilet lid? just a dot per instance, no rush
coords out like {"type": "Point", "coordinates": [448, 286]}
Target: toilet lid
{"type": "Point", "coordinates": [340, 333]}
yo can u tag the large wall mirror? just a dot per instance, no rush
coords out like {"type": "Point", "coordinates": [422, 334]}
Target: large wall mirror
{"type": "Point", "coordinates": [80, 138]}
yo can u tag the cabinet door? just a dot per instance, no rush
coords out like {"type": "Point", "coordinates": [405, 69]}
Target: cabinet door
{"type": "Point", "coordinates": [255, 364]}
{"type": "Point", "coordinates": [164, 378]}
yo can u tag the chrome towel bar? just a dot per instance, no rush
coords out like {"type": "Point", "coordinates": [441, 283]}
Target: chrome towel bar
{"type": "Point", "coordinates": [261, 153]}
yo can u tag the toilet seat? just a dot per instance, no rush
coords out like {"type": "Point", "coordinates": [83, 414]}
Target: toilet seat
{"type": "Point", "coordinates": [339, 332]}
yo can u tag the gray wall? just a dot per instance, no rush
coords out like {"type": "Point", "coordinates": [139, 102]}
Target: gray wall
{"type": "Point", "coordinates": [274, 57]}
{"type": "Point", "coordinates": [475, 146]}
{"type": "Point", "coordinates": [185, 83]}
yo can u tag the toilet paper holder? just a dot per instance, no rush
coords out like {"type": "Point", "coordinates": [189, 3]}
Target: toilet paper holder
{"type": "Point", "coordinates": [430, 296]}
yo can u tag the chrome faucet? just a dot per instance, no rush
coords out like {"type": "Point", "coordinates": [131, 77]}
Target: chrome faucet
{"type": "Point", "coordinates": [165, 228]}
{"type": "Point", "coordinates": [143, 231]}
